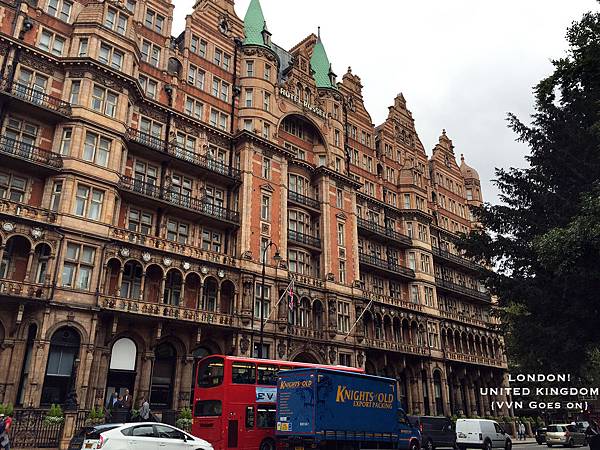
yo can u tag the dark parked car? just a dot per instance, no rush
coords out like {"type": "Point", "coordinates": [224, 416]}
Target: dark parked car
{"type": "Point", "coordinates": [540, 435]}
{"type": "Point", "coordinates": [90, 432]}
{"type": "Point", "coordinates": [436, 432]}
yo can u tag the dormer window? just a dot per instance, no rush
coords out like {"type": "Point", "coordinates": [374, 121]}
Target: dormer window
{"type": "Point", "coordinates": [266, 35]}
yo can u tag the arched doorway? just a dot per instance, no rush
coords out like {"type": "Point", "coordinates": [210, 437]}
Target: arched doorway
{"type": "Point", "coordinates": [60, 376]}
{"type": "Point", "coordinates": [306, 357]}
{"type": "Point", "coordinates": [121, 372]}
{"type": "Point", "coordinates": [163, 376]}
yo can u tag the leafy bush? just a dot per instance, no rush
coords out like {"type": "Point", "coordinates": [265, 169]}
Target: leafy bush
{"type": "Point", "coordinates": [184, 420]}
{"type": "Point", "coordinates": [95, 416]}
{"type": "Point", "coordinates": [55, 416]}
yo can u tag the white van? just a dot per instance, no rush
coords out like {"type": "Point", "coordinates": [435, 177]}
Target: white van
{"type": "Point", "coordinates": [481, 433]}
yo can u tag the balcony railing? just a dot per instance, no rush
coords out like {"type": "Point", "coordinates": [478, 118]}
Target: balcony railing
{"type": "Point", "coordinates": [396, 346]}
{"type": "Point", "coordinates": [204, 161]}
{"type": "Point", "coordinates": [28, 152]}
{"type": "Point", "coordinates": [384, 231]}
{"type": "Point", "coordinates": [456, 316]}
{"type": "Point", "coordinates": [303, 200]}
{"type": "Point", "coordinates": [144, 308]}
{"type": "Point", "coordinates": [385, 299]}
{"type": "Point", "coordinates": [306, 332]}
{"type": "Point", "coordinates": [457, 288]}
{"type": "Point", "coordinates": [475, 359]}
{"type": "Point", "coordinates": [386, 265]}
{"type": "Point", "coordinates": [147, 139]}
{"type": "Point", "coordinates": [167, 246]}
{"type": "Point", "coordinates": [175, 198]}
{"type": "Point", "coordinates": [23, 289]}
{"type": "Point", "coordinates": [301, 238]}
{"type": "Point", "coordinates": [456, 259]}
{"type": "Point", "coordinates": [36, 97]}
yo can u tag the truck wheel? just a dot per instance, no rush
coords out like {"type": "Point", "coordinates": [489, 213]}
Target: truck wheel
{"type": "Point", "coordinates": [414, 445]}
{"type": "Point", "coordinates": [267, 444]}
{"type": "Point", "coordinates": [429, 445]}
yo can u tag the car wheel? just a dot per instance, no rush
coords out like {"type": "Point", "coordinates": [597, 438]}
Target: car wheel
{"type": "Point", "coordinates": [429, 445]}
{"type": "Point", "coordinates": [268, 444]}
{"type": "Point", "coordinates": [487, 445]}
{"type": "Point", "coordinates": [508, 445]}
{"type": "Point", "coordinates": [549, 445]}
{"type": "Point", "coordinates": [571, 443]}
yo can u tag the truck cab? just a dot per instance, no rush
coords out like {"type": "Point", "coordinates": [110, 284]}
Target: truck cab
{"type": "Point", "coordinates": [409, 434]}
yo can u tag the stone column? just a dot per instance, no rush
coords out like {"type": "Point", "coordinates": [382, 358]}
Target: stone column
{"type": "Point", "coordinates": [247, 298]}
{"type": "Point", "coordinates": [445, 396]}
{"type": "Point", "coordinates": [68, 430]}
{"type": "Point", "coordinates": [186, 380]}
{"type": "Point", "coordinates": [146, 374]}
{"type": "Point", "coordinates": [29, 264]}
{"type": "Point", "coordinates": [119, 282]}
{"type": "Point", "coordinates": [142, 286]}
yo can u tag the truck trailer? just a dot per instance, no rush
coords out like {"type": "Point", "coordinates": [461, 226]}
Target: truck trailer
{"type": "Point", "coordinates": [326, 409]}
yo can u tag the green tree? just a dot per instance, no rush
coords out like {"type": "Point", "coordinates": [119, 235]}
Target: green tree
{"type": "Point", "coordinates": [543, 239]}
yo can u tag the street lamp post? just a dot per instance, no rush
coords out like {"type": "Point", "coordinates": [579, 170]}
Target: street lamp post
{"type": "Point", "coordinates": [277, 258]}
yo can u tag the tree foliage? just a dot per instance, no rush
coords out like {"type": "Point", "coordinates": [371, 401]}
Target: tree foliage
{"type": "Point", "coordinates": [543, 239]}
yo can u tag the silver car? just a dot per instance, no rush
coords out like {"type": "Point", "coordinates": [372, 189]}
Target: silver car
{"type": "Point", "coordinates": [564, 434]}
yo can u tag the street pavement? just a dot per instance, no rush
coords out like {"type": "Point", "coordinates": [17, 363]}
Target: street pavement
{"type": "Point", "coordinates": [530, 444]}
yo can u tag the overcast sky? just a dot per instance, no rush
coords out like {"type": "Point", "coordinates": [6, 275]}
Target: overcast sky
{"type": "Point", "coordinates": [462, 65]}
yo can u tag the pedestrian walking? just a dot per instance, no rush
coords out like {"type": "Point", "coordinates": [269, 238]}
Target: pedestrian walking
{"type": "Point", "coordinates": [145, 410]}
{"type": "Point", "coordinates": [5, 423]}
{"type": "Point", "coordinates": [522, 430]}
{"type": "Point", "coordinates": [593, 435]}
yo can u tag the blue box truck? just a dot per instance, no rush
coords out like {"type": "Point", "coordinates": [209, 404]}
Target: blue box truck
{"type": "Point", "coordinates": [323, 408]}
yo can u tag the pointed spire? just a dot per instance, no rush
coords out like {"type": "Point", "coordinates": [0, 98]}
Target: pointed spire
{"type": "Point", "coordinates": [321, 66]}
{"type": "Point", "coordinates": [255, 24]}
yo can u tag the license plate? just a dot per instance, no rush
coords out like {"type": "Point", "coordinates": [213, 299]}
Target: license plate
{"type": "Point", "coordinates": [89, 445]}
{"type": "Point", "coordinates": [298, 448]}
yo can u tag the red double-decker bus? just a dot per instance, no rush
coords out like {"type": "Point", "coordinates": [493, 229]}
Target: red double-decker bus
{"type": "Point", "coordinates": [234, 400]}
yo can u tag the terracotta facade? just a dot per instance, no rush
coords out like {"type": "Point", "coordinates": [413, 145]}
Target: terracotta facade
{"type": "Point", "coordinates": [142, 175]}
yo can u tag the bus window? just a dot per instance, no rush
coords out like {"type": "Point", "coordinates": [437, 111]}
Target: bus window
{"type": "Point", "coordinates": [285, 368]}
{"type": "Point", "coordinates": [210, 372]}
{"type": "Point", "coordinates": [265, 417]}
{"type": "Point", "coordinates": [208, 408]}
{"type": "Point", "coordinates": [243, 373]}
{"type": "Point", "coordinates": [267, 375]}
{"type": "Point", "coordinates": [249, 416]}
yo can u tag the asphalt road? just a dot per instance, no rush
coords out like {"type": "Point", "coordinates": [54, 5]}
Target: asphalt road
{"type": "Point", "coordinates": [534, 446]}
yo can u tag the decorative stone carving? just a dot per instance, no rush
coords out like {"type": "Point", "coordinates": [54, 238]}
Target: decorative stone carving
{"type": "Point", "coordinates": [8, 226]}
{"type": "Point", "coordinates": [167, 262]}
{"type": "Point", "coordinates": [125, 252]}
{"type": "Point", "coordinates": [332, 355]}
{"type": "Point", "coordinates": [244, 345]}
{"type": "Point", "coordinates": [186, 265]}
{"type": "Point", "coordinates": [281, 350]}
{"type": "Point", "coordinates": [37, 233]}
{"type": "Point", "coordinates": [360, 359]}
{"type": "Point", "coordinates": [146, 257]}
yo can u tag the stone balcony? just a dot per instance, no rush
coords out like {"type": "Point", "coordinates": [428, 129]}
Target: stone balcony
{"type": "Point", "coordinates": [24, 290]}
{"type": "Point", "coordinates": [384, 233]}
{"type": "Point", "coordinates": [163, 311]}
{"type": "Point", "coordinates": [399, 347]}
{"type": "Point", "coordinates": [475, 359]}
{"type": "Point", "coordinates": [387, 300]}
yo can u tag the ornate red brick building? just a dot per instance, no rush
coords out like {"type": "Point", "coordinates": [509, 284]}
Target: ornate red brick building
{"type": "Point", "coordinates": [143, 176]}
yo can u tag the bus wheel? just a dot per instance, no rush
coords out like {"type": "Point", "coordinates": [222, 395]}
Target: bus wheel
{"type": "Point", "coordinates": [267, 444]}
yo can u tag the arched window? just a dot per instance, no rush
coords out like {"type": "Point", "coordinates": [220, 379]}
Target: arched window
{"type": "Point", "coordinates": [317, 313]}
{"type": "Point", "coordinates": [378, 327]}
{"type": "Point", "coordinates": [161, 391]}
{"type": "Point", "coordinates": [304, 313]}
{"type": "Point", "coordinates": [425, 392]}
{"type": "Point", "coordinates": [40, 262]}
{"type": "Point", "coordinates": [173, 285]}
{"type": "Point", "coordinates": [209, 296]}
{"type": "Point", "coordinates": [131, 284]}
{"type": "Point", "coordinates": [437, 393]}
{"type": "Point", "coordinates": [64, 349]}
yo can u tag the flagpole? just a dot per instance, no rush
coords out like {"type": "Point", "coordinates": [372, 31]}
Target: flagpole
{"type": "Point", "coordinates": [358, 320]}
{"type": "Point", "coordinates": [287, 289]}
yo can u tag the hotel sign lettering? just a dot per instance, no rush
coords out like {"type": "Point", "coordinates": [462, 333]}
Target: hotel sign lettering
{"type": "Point", "coordinates": [296, 99]}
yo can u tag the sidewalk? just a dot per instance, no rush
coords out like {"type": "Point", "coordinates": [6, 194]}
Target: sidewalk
{"type": "Point", "coordinates": [515, 441]}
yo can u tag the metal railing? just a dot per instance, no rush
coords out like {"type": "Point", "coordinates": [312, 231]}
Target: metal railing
{"type": "Point", "coordinates": [384, 231]}
{"type": "Point", "coordinates": [443, 254]}
{"type": "Point", "coordinates": [39, 98]}
{"type": "Point", "coordinates": [28, 152]}
{"type": "Point", "coordinates": [204, 161]}
{"type": "Point", "coordinates": [147, 139]}
{"type": "Point", "coordinates": [386, 265]}
{"type": "Point", "coordinates": [173, 197]}
{"type": "Point", "coordinates": [449, 285]}
{"type": "Point", "coordinates": [303, 200]}
{"type": "Point", "coordinates": [302, 238]}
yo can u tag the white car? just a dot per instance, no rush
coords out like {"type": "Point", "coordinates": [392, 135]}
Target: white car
{"type": "Point", "coordinates": [144, 436]}
{"type": "Point", "coordinates": [481, 433]}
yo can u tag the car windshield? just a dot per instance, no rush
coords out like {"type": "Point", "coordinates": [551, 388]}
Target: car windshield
{"type": "Point", "coordinates": [555, 429]}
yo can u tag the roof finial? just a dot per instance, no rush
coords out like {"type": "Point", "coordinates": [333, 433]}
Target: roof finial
{"type": "Point", "coordinates": [319, 32]}
{"type": "Point", "coordinates": [462, 157]}
{"type": "Point", "coordinates": [444, 131]}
